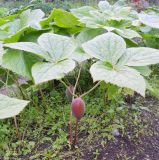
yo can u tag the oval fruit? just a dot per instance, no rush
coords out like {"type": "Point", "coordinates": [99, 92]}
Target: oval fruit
{"type": "Point", "coordinates": [78, 107]}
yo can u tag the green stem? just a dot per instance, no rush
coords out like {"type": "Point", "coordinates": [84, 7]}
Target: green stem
{"type": "Point", "coordinates": [67, 87]}
{"type": "Point", "coordinates": [16, 127]}
{"type": "Point", "coordinates": [77, 80]}
{"type": "Point", "coordinates": [14, 78]}
{"type": "Point", "coordinates": [84, 94]}
{"type": "Point", "coordinates": [76, 129]}
{"type": "Point", "coordinates": [70, 128]}
{"type": "Point", "coordinates": [44, 102]}
{"type": "Point", "coordinates": [105, 99]}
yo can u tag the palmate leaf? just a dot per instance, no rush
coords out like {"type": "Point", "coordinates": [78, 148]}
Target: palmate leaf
{"type": "Point", "coordinates": [10, 107]}
{"type": "Point", "coordinates": [116, 61]}
{"type": "Point", "coordinates": [104, 5]}
{"type": "Point", "coordinates": [122, 77]}
{"type": "Point", "coordinates": [58, 47]}
{"type": "Point", "coordinates": [29, 47]}
{"type": "Point", "coordinates": [31, 18]}
{"type": "Point", "coordinates": [64, 19]}
{"type": "Point", "coordinates": [140, 56]}
{"type": "Point", "coordinates": [43, 72]}
{"type": "Point", "coordinates": [115, 18]}
{"type": "Point", "coordinates": [82, 11]}
{"type": "Point", "coordinates": [55, 49]}
{"type": "Point", "coordinates": [143, 70]}
{"type": "Point", "coordinates": [27, 19]}
{"type": "Point", "coordinates": [61, 18]}
{"type": "Point", "coordinates": [151, 20]}
{"type": "Point", "coordinates": [1, 52]}
{"type": "Point", "coordinates": [87, 34]}
{"type": "Point", "coordinates": [19, 62]}
{"type": "Point", "coordinates": [127, 33]}
{"type": "Point", "coordinates": [106, 47]}
{"type": "Point", "coordinates": [80, 55]}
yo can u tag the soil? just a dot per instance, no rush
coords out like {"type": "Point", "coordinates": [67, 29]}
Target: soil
{"type": "Point", "coordinates": [143, 146]}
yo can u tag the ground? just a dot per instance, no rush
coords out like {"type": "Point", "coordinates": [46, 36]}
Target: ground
{"type": "Point", "coordinates": [131, 132]}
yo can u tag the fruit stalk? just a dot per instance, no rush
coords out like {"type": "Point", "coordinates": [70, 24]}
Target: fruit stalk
{"type": "Point", "coordinates": [74, 90]}
{"type": "Point", "coordinates": [76, 129]}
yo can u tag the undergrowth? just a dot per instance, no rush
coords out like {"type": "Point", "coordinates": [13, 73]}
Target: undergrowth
{"type": "Point", "coordinates": [44, 127]}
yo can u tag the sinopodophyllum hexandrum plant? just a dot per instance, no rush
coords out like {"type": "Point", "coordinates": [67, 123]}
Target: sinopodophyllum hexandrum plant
{"type": "Point", "coordinates": [57, 54]}
{"type": "Point", "coordinates": [118, 18]}
{"type": "Point", "coordinates": [11, 31]}
{"type": "Point", "coordinates": [9, 107]}
{"type": "Point", "coordinates": [55, 50]}
{"type": "Point", "coordinates": [114, 64]}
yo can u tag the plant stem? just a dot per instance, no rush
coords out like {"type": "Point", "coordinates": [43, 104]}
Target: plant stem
{"type": "Point", "coordinates": [16, 127]}
{"type": "Point", "coordinates": [77, 80]}
{"type": "Point", "coordinates": [44, 102]}
{"type": "Point", "coordinates": [84, 94]}
{"type": "Point", "coordinates": [105, 99]}
{"type": "Point", "coordinates": [67, 87]}
{"type": "Point", "coordinates": [76, 129]}
{"type": "Point", "coordinates": [2, 82]}
{"type": "Point", "coordinates": [79, 73]}
{"type": "Point", "coordinates": [71, 128]}
{"type": "Point", "coordinates": [14, 78]}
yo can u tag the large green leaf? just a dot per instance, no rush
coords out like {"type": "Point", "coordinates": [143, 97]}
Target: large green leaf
{"type": "Point", "coordinates": [43, 72]}
{"type": "Point", "coordinates": [19, 62]}
{"type": "Point", "coordinates": [122, 77]}
{"type": "Point", "coordinates": [107, 11]}
{"type": "Point", "coordinates": [64, 19]}
{"type": "Point", "coordinates": [82, 11]}
{"type": "Point", "coordinates": [31, 18]}
{"type": "Point", "coordinates": [104, 5]}
{"type": "Point", "coordinates": [87, 34]}
{"type": "Point", "coordinates": [10, 107]}
{"type": "Point", "coordinates": [55, 49]}
{"type": "Point", "coordinates": [151, 20]}
{"type": "Point", "coordinates": [1, 52]}
{"type": "Point", "coordinates": [58, 47]}
{"type": "Point", "coordinates": [140, 56]}
{"type": "Point", "coordinates": [107, 47]}
{"type": "Point", "coordinates": [29, 47]}
{"type": "Point", "coordinates": [143, 70]}
{"type": "Point", "coordinates": [26, 20]}
{"type": "Point", "coordinates": [118, 65]}
{"type": "Point", "coordinates": [51, 46]}
{"type": "Point", "coordinates": [117, 17]}
{"type": "Point", "coordinates": [127, 33]}
{"type": "Point", "coordinates": [79, 55]}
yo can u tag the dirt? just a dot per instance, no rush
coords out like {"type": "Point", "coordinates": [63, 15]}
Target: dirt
{"type": "Point", "coordinates": [143, 147]}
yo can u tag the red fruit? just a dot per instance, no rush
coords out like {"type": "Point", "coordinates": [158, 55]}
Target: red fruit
{"type": "Point", "coordinates": [78, 107]}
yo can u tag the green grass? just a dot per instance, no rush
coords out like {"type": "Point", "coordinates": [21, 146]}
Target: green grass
{"type": "Point", "coordinates": [44, 126]}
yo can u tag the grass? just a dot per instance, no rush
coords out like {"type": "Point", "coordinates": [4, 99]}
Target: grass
{"type": "Point", "coordinates": [44, 127]}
